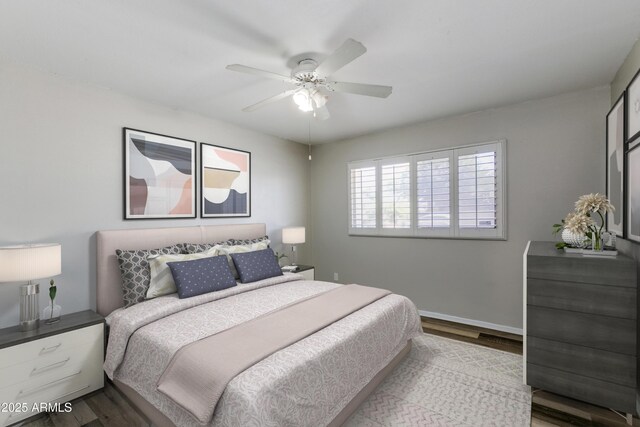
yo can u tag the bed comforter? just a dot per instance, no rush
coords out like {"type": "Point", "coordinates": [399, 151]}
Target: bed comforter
{"type": "Point", "coordinates": [305, 384]}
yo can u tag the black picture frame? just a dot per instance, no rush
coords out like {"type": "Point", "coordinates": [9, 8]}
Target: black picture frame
{"type": "Point", "coordinates": [167, 161]}
{"type": "Point", "coordinates": [632, 187]}
{"type": "Point", "coordinates": [224, 173]}
{"type": "Point", "coordinates": [615, 165]}
{"type": "Point", "coordinates": [632, 109]}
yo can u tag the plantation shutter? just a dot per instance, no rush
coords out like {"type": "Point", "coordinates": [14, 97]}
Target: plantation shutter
{"type": "Point", "coordinates": [362, 197]}
{"type": "Point", "coordinates": [433, 191]}
{"type": "Point", "coordinates": [395, 183]}
{"type": "Point", "coordinates": [479, 184]}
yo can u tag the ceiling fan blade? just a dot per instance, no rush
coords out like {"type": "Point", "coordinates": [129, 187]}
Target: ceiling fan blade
{"type": "Point", "coordinates": [361, 89]}
{"type": "Point", "coordinates": [321, 113]}
{"type": "Point", "coordinates": [261, 73]}
{"type": "Point", "coordinates": [269, 100]}
{"type": "Point", "coordinates": [346, 53]}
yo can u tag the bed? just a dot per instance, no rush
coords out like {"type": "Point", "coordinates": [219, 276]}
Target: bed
{"type": "Point", "coordinates": [319, 380]}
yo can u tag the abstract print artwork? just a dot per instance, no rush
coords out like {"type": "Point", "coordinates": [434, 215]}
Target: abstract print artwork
{"type": "Point", "coordinates": [633, 108]}
{"type": "Point", "coordinates": [615, 165]}
{"type": "Point", "coordinates": [633, 191]}
{"type": "Point", "coordinates": [159, 180]}
{"type": "Point", "coordinates": [225, 182]}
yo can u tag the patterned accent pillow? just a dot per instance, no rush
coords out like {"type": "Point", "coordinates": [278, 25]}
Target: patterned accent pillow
{"type": "Point", "coordinates": [161, 282]}
{"type": "Point", "coordinates": [134, 269]}
{"type": "Point", "coordinates": [201, 276]}
{"type": "Point", "coordinates": [194, 248]}
{"type": "Point", "coordinates": [249, 241]}
{"type": "Point", "coordinates": [256, 265]}
{"type": "Point", "coordinates": [234, 249]}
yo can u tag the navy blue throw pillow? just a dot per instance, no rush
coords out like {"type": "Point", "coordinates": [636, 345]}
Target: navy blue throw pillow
{"type": "Point", "coordinates": [200, 276]}
{"type": "Point", "coordinates": [256, 265]}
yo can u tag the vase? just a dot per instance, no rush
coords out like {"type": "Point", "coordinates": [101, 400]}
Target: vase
{"type": "Point", "coordinates": [597, 242]}
{"type": "Point", "coordinates": [51, 313]}
{"type": "Point", "coordinates": [573, 239]}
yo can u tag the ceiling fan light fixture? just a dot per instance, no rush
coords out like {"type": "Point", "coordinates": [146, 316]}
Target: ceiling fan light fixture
{"type": "Point", "coordinates": [303, 100]}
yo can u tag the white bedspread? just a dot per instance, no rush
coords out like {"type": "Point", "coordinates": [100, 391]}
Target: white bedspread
{"type": "Point", "coordinates": [305, 384]}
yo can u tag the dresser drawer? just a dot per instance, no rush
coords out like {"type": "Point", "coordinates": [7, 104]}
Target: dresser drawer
{"type": "Point", "coordinates": [55, 365]}
{"type": "Point", "coordinates": [617, 271]}
{"type": "Point", "coordinates": [615, 301]}
{"type": "Point", "coordinates": [589, 330]}
{"type": "Point", "coordinates": [579, 387]}
{"type": "Point", "coordinates": [600, 364]}
{"type": "Point", "coordinates": [61, 390]}
{"type": "Point", "coordinates": [48, 346]}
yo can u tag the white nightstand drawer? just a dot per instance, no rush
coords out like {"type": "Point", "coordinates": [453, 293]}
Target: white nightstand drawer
{"type": "Point", "coordinates": [57, 364]}
{"type": "Point", "coordinates": [48, 346]}
{"type": "Point", "coordinates": [309, 274]}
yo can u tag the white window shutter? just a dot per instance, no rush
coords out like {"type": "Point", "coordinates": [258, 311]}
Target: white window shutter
{"type": "Point", "coordinates": [362, 197]}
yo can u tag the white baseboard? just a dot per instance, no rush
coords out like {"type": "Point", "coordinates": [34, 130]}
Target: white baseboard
{"type": "Point", "coordinates": [472, 322]}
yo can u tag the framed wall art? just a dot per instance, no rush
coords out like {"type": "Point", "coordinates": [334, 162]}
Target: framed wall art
{"type": "Point", "coordinates": [225, 182]}
{"type": "Point", "coordinates": [615, 166]}
{"type": "Point", "coordinates": [633, 108]}
{"type": "Point", "coordinates": [633, 191]}
{"type": "Point", "coordinates": [159, 176]}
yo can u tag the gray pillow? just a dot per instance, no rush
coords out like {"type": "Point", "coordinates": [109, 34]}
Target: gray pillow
{"type": "Point", "coordinates": [194, 248]}
{"type": "Point", "coordinates": [248, 241]}
{"type": "Point", "coordinates": [134, 269]}
{"type": "Point", "coordinates": [256, 265]}
{"type": "Point", "coordinates": [201, 276]}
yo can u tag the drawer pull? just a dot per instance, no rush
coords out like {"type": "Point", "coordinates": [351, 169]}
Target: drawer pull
{"type": "Point", "coordinates": [49, 349]}
{"type": "Point", "coordinates": [22, 393]}
{"type": "Point", "coordinates": [37, 371]}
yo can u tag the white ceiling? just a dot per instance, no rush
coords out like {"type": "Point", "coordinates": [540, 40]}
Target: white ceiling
{"type": "Point", "coordinates": [442, 57]}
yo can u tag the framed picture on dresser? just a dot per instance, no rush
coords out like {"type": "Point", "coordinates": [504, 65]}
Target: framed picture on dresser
{"type": "Point", "coordinates": [159, 176]}
{"type": "Point", "coordinates": [633, 108]}
{"type": "Point", "coordinates": [225, 182]}
{"type": "Point", "coordinates": [615, 165]}
{"type": "Point", "coordinates": [633, 191]}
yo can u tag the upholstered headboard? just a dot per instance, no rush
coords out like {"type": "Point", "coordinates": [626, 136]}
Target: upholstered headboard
{"type": "Point", "coordinates": [109, 289]}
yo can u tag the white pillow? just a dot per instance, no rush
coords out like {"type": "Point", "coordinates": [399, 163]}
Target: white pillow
{"type": "Point", "coordinates": [161, 282]}
{"type": "Point", "coordinates": [228, 250]}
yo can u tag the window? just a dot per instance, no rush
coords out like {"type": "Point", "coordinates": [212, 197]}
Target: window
{"type": "Point", "coordinates": [455, 193]}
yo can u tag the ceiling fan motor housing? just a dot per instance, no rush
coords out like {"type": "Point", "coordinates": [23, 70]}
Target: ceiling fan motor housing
{"type": "Point", "coordinates": [305, 71]}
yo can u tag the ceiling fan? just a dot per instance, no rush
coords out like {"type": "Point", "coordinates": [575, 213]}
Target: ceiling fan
{"type": "Point", "coordinates": [312, 82]}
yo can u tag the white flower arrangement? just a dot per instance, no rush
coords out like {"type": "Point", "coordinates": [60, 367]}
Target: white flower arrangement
{"type": "Point", "coordinates": [580, 221]}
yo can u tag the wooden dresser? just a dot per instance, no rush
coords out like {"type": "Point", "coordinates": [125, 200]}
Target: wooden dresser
{"type": "Point", "coordinates": [581, 326]}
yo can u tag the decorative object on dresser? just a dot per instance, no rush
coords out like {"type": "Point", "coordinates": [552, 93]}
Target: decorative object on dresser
{"type": "Point", "coordinates": [308, 271]}
{"type": "Point", "coordinates": [615, 165]}
{"type": "Point", "coordinates": [225, 182]}
{"type": "Point", "coordinates": [580, 326]}
{"type": "Point", "coordinates": [55, 364]}
{"type": "Point", "coordinates": [580, 222]}
{"type": "Point", "coordinates": [159, 176]}
{"type": "Point", "coordinates": [51, 313]}
{"type": "Point", "coordinates": [293, 236]}
{"type": "Point", "coordinates": [27, 263]}
{"type": "Point", "coordinates": [633, 191]}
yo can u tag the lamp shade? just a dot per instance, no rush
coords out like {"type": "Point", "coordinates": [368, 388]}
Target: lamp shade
{"type": "Point", "coordinates": [30, 262]}
{"type": "Point", "coordinates": [293, 235]}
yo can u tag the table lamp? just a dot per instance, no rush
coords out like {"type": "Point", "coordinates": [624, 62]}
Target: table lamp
{"type": "Point", "coordinates": [28, 263]}
{"type": "Point", "coordinates": [293, 236]}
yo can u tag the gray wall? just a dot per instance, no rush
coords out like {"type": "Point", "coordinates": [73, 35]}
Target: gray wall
{"type": "Point", "coordinates": [61, 173]}
{"type": "Point", "coordinates": [555, 150]}
{"type": "Point", "coordinates": [625, 73]}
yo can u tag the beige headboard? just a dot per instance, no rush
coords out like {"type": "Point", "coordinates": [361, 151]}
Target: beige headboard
{"type": "Point", "coordinates": [109, 289]}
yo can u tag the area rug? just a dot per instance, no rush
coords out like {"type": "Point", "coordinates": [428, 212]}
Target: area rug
{"type": "Point", "coordinates": [443, 382]}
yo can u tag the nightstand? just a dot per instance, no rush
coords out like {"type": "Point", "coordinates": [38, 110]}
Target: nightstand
{"type": "Point", "coordinates": [308, 271]}
{"type": "Point", "coordinates": [52, 364]}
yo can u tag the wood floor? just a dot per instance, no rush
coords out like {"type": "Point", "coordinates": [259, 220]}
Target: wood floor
{"type": "Point", "coordinates": [107, 407]}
